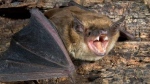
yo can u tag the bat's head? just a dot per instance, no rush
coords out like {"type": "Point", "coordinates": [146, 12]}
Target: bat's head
{"type": "Point", "coordinates": [86, 35]}
{"type": "Point", "coordinates": [99, 35]}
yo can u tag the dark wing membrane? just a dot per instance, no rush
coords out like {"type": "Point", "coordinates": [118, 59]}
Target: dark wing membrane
{"type": "Point", "coordinates": [35, 52]}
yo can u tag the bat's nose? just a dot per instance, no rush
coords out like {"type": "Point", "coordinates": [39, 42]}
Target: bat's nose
{"type": "Point", "coordinates": [104, 32]}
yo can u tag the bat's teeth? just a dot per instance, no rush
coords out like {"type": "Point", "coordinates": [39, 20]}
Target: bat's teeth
{"type": "Point", "coordinates": [97, 38]}
{"type": "Point", "coordinates": [106, 38]}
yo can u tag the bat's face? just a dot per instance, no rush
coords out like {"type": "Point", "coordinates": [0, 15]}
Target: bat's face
{"type": "Point", "coordinates": [96, 38]}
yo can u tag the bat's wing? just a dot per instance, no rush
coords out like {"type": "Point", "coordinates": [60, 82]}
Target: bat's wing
{"type": "Point", "coordinates": [36, 52]}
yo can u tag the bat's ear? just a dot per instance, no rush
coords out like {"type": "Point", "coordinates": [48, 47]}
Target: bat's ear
{"type": "Point", "coordinates": [77, 25]}
{"type": "Point", "coordinates": [116, 26]}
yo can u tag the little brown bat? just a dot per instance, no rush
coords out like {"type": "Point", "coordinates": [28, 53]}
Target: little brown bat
{"type": "Point", "coordinates": [86, 35]}
{"type": "Point", "coordinates": [38, 50]}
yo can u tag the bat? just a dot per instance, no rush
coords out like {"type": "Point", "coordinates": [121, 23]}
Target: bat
{"type": "Point", "coordinates": [86, 35]}
{"type": "Point", "coordinates": [41, 49]}
{"type": "Point", "coordinates": [35, 52]}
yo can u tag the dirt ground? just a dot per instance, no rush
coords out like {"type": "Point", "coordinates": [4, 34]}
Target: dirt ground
{"type": "Point", "coordinates": [127, 63]}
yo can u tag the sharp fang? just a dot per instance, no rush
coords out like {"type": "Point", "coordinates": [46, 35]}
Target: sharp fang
{"type": "Point", "coordinates": [106, 38]}
{"type": "Point", "coordinates": [97, 38]}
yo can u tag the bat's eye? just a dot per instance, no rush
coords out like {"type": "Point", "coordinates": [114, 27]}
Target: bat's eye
{"type": "Point", "coordinates": [89, 33]}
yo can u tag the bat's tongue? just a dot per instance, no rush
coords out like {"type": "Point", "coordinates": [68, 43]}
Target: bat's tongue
{"type": "Point", "coordinates": [100, 43]}
{"type": "Point", "coordinates": [101, 46]}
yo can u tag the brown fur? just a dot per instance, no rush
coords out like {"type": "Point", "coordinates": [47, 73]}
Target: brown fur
{"type": "Point", "coordinates": [73, 41]}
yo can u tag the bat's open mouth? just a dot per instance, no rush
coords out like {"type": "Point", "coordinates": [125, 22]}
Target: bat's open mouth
{"type": "Point", "coordinates": [99, 44]}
